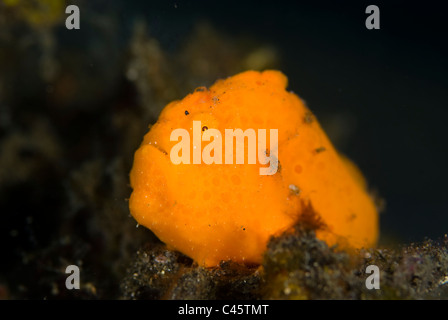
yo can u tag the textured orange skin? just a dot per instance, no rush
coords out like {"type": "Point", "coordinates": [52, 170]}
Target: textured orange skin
{"type": "Point", "coordinates": [228, 212]}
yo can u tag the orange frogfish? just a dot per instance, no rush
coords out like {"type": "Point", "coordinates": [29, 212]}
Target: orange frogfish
{"type": "Point", "coordinates": [228, 167]}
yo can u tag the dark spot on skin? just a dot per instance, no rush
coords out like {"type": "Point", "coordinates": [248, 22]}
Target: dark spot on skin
{"type": "Point", "coordinates": [320, 149]}
{"type": "Point", "coordinates": [295, 190]}
{"type": "Point", "coordinates": [204, 128]}
{"type": "Point", "coordinates": [351, 217]}
{"type": "Point", "coordinates": [309, 118]}
{"type": "Point", "coordinates": [160, 149]}
{"type": "Point", "coordinates": [187, 113]}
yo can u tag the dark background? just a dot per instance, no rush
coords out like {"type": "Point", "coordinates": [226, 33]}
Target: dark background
{"type": "Point", "coordinates": [392, 82]}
